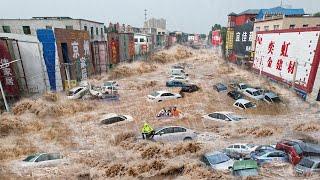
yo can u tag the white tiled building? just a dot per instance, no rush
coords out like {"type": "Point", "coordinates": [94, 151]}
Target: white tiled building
{"type": "Point", "coordinates": [30, 26]}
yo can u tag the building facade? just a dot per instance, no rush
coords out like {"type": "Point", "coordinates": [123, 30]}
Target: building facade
{"type": "Point", "coordinates": [30, 26]}
{"type": "Point", "coordinates": [285, 22]}
{"type": "Point", "coordinates": [155, 23]}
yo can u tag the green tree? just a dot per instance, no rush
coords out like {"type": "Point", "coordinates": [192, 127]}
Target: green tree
{"type": "Point", "coordinates": [317, 14]}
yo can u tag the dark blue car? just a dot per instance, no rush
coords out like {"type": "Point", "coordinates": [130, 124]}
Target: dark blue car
{"type": "Point", "coordinates": [173, 83]}
{"type": "Point", "coordinates": [220, 87]}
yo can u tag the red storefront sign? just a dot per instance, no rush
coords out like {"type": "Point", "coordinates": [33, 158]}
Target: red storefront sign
{"type": "Point", "coordinates": [7, 76]}
{"type": "Point", "coordinates": [216, 38]}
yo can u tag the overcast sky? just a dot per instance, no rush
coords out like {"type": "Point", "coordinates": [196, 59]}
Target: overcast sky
{"type": "Point", "coordinates": [186, 15]}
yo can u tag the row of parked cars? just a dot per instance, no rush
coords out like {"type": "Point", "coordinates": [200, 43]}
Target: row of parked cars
{"type": "Point", "coordinates": [240, 91]}
{"type": "Point", "coordinates": [177, 78]}
{"type": "Point", "coordinates": [245, 159]}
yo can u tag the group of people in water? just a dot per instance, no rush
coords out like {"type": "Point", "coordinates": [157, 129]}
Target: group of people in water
{"type": "Point", "coordinates": [169, 112]}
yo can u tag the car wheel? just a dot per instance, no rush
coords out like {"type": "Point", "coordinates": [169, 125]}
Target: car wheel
{"type": "Point", "coordinates": [187, 139]}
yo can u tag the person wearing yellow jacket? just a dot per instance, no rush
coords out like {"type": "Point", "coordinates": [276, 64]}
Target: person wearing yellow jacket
{"type": "Point", "coordinates": [147, 131]}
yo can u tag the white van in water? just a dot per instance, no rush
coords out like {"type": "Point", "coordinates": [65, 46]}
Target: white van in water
{"type": "Point", "coordinates": [178, 72]}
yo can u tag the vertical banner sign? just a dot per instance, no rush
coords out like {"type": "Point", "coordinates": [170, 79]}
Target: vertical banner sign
{"type": "Point", "coordinates": [216, 38]}
{"type": "Point", "coordinates": [230, 38]}
{"type": "Point", "coordinates": [289, 56]}
{"type": "Point", "coordinates": [113, 51]}
{"type": "Point", "coordinates": [7, 76]}
{"type": "Point", "coordinates": [243, 39]}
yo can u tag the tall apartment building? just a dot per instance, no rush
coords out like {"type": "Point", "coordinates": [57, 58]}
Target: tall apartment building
{"type": "Point", "coordinates": [30, 26]}
{"type": "Point", "coordinates": [159, 24]}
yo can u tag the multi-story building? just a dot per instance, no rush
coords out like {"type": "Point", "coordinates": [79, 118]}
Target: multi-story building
{"type": "Point", "coordinates": [242, 18]}
{"type": "Point", "coordinates": [285, 22]}
{"type": "Point", "coordinates": [30, 26]}
{"type": "Point", "coordinates": [156, 23]}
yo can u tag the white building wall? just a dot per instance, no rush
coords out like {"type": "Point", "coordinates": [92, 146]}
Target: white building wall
{"type": "Point", "coordinates": [16, 26]}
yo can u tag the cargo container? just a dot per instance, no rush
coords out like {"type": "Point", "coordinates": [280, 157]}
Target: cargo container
{"type": "Point", "coordinates": [100, 56]}
{"type": "Point", "coordinates": [28, 74]}
{"type": "Point", "coordinates": [290, 56]}
{"type": "Point", "coordinates": [73, 48]}
{"type": "Point", "coordinates": [113, 48]}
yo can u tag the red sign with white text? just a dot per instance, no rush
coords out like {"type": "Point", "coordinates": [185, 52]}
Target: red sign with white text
{"type": "Point", "coordinates": [7, 75]}
{"type": "Point", "coordinates": [216, 38]}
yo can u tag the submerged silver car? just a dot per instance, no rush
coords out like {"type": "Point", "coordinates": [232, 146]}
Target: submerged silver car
{"type": "Point", "coordinates": [308, 165]}
{"type": "Point", "coordinates": [174, 133]}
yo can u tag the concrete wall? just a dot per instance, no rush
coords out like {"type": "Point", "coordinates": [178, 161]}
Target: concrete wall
{"type": "Point", "coordinates": [77, 24]}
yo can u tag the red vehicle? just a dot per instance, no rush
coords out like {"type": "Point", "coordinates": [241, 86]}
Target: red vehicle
{"type": "Point", "coordinates": [297, 149]}
{"type": "Point", "coordinates": [292, 148]}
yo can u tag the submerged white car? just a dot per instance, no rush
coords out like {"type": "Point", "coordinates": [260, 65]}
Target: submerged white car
{"type": "Point", "coordinates": [179, 78]}
{"type": "Point", "coordinates": [253, 93]}
{"type": "Point", "coordinates": [115, 118]}
{"type": "Point", "coordinates": [77, 92]}
{"type": "Point", "coordinates": [223, 116]}
{"type": "Point", "coordinates": [42, 160]}
{"type": "Point", "coordinates": [160, 96]}
{"type": "Point", "coordinates": [244, 104]}
{"type": "Point", "coordinates": [174, 133]}
{"type": "Point", "coordinates": [218, 160]}
{"type": "Point", "coordinates": [241, 148]}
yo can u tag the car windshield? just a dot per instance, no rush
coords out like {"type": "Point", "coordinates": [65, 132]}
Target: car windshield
{"type": "Point", "coordinates": [244, 86]}
{"type": "Point", "coordinates": [70, 93]}
{"type": "Point", "coordinates": [123, 117]}
{"type": "Point", "coordinates": [306, 163]}
{"type": "Point", "coordinates": [297, 148]}
{"type": "Point", "coordinates": [246, 172]}
{"type": "Point", "coordinates": [218, 158]}
{"type": "Point", "coordinates": [276, 99]}
{"type": "Point", "coordinates": [249, 105]}
{"type": "Point", "coordinates": [155, 94]}
{"type": "Point", "coordinates": [257, 93]}
{"type": "Point", "coordinates": [30, 158]}
{"type": "Point", "coordinates": [234, 117]}
{"type": "Point", "coordinates": [251, 145]}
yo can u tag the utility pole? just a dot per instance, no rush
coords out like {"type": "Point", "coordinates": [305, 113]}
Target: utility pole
{"type": "Point", "coordinates": [4, 98]}
{"type": "Point", "coordinates": [145, 15]}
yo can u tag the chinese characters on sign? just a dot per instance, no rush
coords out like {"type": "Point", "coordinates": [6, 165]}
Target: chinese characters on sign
{"type": "Point", "coordinates": [6, 71]}
{"type": "Point", "coordinates": [75, 49]}
{"type": "Point", "coordinates": [288, 56]}
{"type": "Point", "coordinates": [86, 47]}
{"type": "Point", "coordinates": [243, 37]}
{"type": "Point", "coordinates": [83, 67]}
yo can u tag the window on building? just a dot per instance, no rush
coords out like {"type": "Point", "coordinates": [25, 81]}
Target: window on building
{"type": "Point", "coordinates": [141, 40]}
{"type": "Point", "coordinates": [266, 28]}
{"type": "Point", "coordinates": [91, 32]}
{"type": "Point", "coordinates": [48, 27]}
{"type": "Point", "coordinates": [101, 31]}
{"type": "Point", "coordinates": [257, 28]}
{"type": "Point", "coordinates": [97, 31]}
{"type": "Point", "coordinates": [105, 29]}
{"type": "Point", "coordinates": [26, 29]}
{"type": "Point", "coordinates": [6, 29]}
{"type": "Point", "coordinates": [292, 26]}
{"type": "Point", "coordinates": [305, 25]}
{"type": "Point", "coordinates": [85, 28]}
{"type": "Point", "coordinates": [318, 25]}
{"type": "Point", "coordinates": [135, 39]}
{"type": "Point", "coordinates": [69, 27]}
{"type": "Point", "coordinates": [276, 27]}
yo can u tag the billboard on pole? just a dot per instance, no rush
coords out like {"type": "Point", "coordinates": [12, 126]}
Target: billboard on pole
{"type": "Point", "coordinates": [289, 55]}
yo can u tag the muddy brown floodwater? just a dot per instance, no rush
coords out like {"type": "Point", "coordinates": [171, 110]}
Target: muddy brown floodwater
{"type": "Point", "coordinates": [54, 124]}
